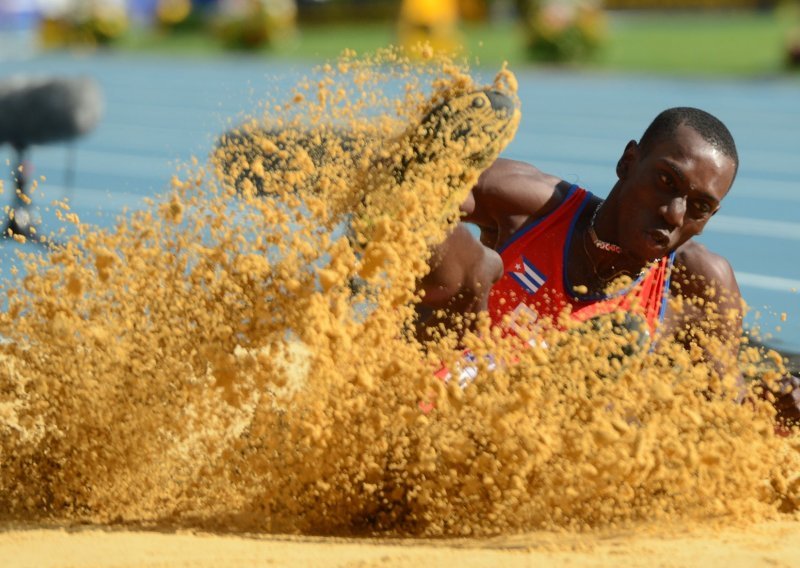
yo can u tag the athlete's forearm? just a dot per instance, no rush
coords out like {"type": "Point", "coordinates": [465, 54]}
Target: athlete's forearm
{"type": "Point", "coordinates": [461, 276]}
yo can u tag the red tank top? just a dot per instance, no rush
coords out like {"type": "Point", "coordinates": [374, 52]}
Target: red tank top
{"type": "Point", "coordinates": [535, 283]}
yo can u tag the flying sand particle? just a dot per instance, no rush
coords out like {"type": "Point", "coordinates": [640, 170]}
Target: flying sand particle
{"type": "Point", "coordinates": [239, 354]}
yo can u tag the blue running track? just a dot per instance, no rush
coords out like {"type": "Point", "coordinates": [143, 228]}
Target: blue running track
{"type": "Point", "coordinates": [160, 112]}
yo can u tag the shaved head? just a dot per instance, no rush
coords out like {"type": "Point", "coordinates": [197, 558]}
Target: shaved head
{"type": "Point", "coordinates": [709, 127]}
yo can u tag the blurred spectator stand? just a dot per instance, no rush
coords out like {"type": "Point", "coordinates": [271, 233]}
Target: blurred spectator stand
{"type": "Point", "coordinates": [82, 22]}
{"type": "Point", "coordinates": [17, 14]}
{"type": "Point", "coordinates": [251, 24]}
{"type": "Point", "coordinates": [328, 11]}
{"type": "Point", "coordinates": [18, 19]}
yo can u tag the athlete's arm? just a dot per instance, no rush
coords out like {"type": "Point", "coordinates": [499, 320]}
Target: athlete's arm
{"type": "Point", "coordinates": [710, 278]}
{"type": "Point", "coordinates": [786, 393]}
{"type": "Point", "coordinates": [457, 287]}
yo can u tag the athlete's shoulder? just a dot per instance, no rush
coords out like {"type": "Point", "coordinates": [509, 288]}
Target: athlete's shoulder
{"type": "Point", "coordinates": [517, 184]}
{"type": "Point", "coordinates": [514, 192]}
{"type": "Point", "coordinates": [701, 272]}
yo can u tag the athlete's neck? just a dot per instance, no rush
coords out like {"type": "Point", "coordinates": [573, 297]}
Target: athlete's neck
{"type": "Point", "coordinates": [608, 261]}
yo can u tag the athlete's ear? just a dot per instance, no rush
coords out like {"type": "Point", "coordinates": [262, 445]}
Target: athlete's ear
{"type": "Point", "coordinates": [629, 156]}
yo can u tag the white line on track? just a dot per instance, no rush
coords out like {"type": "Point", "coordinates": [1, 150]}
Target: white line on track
{"type": "Point", "coordinates": [94, 200]}
{"type": "Point", "coordinates": [765, 282]}
{"type": "Point", "coordinates": [774, 190]}
{"type": "Point", "coordinates": [754, 227]}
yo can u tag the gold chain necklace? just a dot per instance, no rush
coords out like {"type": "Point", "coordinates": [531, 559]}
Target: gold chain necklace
{"type": "Point", "coordinates": [614, 272]}
{"type": "Point", "coordinates": [597, 241]}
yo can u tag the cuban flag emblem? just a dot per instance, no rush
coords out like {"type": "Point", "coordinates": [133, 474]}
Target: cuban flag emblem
{"type": "Point", "coordinates": [527, 275]}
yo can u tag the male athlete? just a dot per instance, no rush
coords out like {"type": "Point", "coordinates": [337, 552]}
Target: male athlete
{"type": "Point", "coordinates": [547, 246]}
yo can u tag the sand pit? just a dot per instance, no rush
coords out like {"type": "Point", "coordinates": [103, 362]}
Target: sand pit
{"type": "Point", "coordinates": [768, 544]}
{"type": "Point", "coordinates": [238, 359]}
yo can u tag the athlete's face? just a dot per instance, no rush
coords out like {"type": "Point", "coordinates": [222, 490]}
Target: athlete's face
{"type": "Point", "coordinates": [669, 192]}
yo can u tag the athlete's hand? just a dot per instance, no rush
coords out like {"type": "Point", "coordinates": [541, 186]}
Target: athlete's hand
{"type": "Point", "coordinates": [787, 399]}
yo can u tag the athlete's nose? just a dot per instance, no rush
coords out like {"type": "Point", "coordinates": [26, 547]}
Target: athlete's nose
{"type": "Point", "coordinates": [675, 211]}
{"type": "Point", "coordinates": [501, 103]}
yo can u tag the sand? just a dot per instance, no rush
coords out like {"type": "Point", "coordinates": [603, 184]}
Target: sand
{"type": "Point", "coordinates": [237, 362]}
{"type": "Point", "coordinates": [775, 544]}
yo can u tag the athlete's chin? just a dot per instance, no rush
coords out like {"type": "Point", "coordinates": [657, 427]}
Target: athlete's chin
{"type": "Point", "coordinates": [649, 247]}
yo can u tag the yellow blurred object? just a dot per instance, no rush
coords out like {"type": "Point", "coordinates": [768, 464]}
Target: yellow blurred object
{"type": "Point", "coordinates": [53, 32]}
{"type": "Point", "coordinates": [100, 24]}
{"type": "Point", "coordinates": [433, 22]}
{"type": "Point", "coordinates": [171, 12]}
{"type": "Point", "coordinates": [430, 12]}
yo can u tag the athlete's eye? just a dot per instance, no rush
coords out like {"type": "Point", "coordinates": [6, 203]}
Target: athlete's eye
{"type": "Point", "coordinates": [701, 207]}
{"type": "Point", "coordinates": [478, 102]}
{"type": "Point", "coordinates": [665, 179]}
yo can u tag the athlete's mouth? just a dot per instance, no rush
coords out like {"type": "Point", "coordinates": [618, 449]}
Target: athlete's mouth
{"type": "Point", "coordinates": [659, 238]}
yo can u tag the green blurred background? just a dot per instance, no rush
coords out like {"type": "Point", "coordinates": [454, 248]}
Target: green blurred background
{"type": "Point", "coordinates": [710, 37]}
